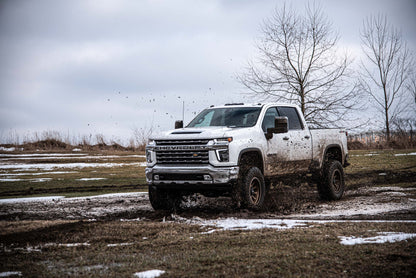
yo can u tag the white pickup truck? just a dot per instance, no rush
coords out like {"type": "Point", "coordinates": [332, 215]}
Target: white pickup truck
{"type": "Point", "coordinates": [238, 150]}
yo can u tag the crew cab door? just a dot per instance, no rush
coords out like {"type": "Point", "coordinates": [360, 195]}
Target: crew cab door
{"type": "Point", "coordinates": [299, 138]}
{"type": "Point", "coordinates": [278, 149]}
{"type": "Point", "coordinates": [289, 152]}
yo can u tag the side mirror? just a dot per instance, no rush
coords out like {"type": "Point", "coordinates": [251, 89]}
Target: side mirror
{"type": "Point", "coordinates": [178, 124]}
{"type": "Point", "coordinates": [280, 126]}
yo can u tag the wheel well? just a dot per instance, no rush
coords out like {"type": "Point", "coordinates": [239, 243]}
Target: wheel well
{"type": "Point", "coordinates": [252, 158]}
{"type": "Point", "coordinates": [333, 152]}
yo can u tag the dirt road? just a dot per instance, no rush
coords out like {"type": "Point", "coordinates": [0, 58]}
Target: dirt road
{"type": "Point", "coordinates": [284, 202]}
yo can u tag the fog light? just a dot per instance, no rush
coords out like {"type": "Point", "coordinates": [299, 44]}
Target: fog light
{"type": "Point", "coordinates": [207, 178]}
{"type": "Point", "coordinates": [156, 177]}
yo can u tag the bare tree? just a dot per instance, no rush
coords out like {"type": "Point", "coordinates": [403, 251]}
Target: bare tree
{"type": "Point", "coordinates": [387, 68]}
{"type": "Point", "coordinates": [141, 136]}
{"type": "Point", "coordinates": [299, 63]}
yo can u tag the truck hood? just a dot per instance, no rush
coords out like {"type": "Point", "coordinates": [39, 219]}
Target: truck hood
{"type": "Point", "coordinates": [196, 133]}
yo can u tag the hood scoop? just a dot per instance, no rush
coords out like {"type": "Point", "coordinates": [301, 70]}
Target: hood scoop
{"type": "Point", "coordinates": [186, 132]}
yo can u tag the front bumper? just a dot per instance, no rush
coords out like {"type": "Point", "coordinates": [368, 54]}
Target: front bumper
{"type": "Point", "coordinates": [191, 174]}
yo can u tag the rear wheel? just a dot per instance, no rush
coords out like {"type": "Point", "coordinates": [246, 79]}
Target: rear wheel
{"type": "Point", "coordinates": [332, 183]}
{"type": "Point", "coordinates": [253, 189]}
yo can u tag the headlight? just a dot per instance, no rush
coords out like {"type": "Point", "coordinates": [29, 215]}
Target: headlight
{"type": "Point", "coordinates": [149, 156]}
{"type": "Point", "coordinates": [223, 155]}
{"type": "Point", "coordinates": [149, 151]}
{"type": "Point", "coordinates": [223, 140]}
{"type": "Point", "coordinates": [221, 148]}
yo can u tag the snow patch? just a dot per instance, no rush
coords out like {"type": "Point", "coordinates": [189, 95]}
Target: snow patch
{"type": "Point", "coordinates": [10, 273]}
{"type": "Point", "coordinates": [91, 179]}
{"type": "Point", "coordinates": [43, 154]}
{"type": "Point", "coordinates": [31, 199]}
{"type": "Point", "coordinates": [31, 180]}
{"type": "Point", "coordinates": [67, 244]}
{"type": "Point", "coordinates": [38, 174]}
{"type": "Point", "coordinates": [56, 198]}
{"type": "Point", "coordinates": [120, 244]}
{"type": "Point", "coordinates": [250, 224]}
{"type": "Point", "coordinates": [10, 180]}
{"type": "Point", "coordinates": [381, 238]}
{"type": "Point", "coordinates": [40, 180]}
{"type": "Point", "coordinates": [50, 166]}
{"type": "Point", "coordinates": [235, 224]}
{"type": "Point", "coordinates": [149, 273]}
{"type": "Point", "coordinates": [390, 188]}
{"type": "Point", "coordinates": [403, 154]}
{"type": "Point", "coordinates": [12, 149]}
{"type": "Point", "coordinates": [111, 195]}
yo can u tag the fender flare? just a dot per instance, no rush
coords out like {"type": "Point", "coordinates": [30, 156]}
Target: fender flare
{"type": "Point", "coordinates": [256, 150]}
{"type": "Point", "coordinates": [330, 146]}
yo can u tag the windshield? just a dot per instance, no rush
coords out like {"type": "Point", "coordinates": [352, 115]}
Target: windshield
{"type": "Point", "coordinates": [230, 117]}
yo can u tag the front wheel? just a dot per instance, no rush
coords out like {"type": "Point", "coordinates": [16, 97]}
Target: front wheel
{"type": "Point", "coordinates": [253, 189]}
{"type": "Point", "coordinates": [161, 199]}
{"type": "Point", "coordinates": [332, 183]}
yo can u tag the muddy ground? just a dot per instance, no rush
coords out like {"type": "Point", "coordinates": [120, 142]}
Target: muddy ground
{"type": "Point", "coordinates": [301, 202]}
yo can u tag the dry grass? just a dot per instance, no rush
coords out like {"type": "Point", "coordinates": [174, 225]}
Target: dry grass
{"type": "Point", "coordinates": [183, 251]}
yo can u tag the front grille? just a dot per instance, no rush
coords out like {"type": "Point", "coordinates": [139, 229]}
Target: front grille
{"type": "Point", "coordinates": [177, 152]}
{"type": "Point", "coordinates": [182, 157]}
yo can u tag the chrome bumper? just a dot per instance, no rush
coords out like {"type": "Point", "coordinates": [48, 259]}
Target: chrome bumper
{"type": "Point", "coordinates": [218, 175]}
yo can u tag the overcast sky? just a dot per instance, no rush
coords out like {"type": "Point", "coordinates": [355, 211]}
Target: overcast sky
{"type": "Point", "coordinates": [88, 67]}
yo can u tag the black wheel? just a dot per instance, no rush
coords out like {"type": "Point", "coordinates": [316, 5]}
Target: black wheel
{"type": "Point", "coordinates": [162, 199]}
{"type": "Point", "coordinates": [253, 189]}
{"type": "Point", "coordinates": [332, 183]}
{"type": "Point", "coordinates": [158, 198]}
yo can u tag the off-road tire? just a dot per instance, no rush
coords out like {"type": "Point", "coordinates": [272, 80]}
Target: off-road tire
{"type": "Point", "coordinates": [161, 199]}
{"type": "Point", "coordinates": [253, 189]}
{"type": "Point", "coordinates": [332, 183]}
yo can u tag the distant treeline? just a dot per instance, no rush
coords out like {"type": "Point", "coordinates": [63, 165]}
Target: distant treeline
{"type": "Point", "coordinates": [378, 140]}
{"type": "Point", "coordinates": [53, 140]}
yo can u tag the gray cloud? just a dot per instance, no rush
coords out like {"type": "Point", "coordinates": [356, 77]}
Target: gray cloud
{"type": "Point", "coordinates": [109, 66]}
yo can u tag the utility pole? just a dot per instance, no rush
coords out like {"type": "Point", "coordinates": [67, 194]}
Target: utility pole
{"type": "Point", "coordinates": [183, 111]}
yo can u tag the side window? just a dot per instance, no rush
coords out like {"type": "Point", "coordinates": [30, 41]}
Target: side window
{"type": "Point", "coordinates": [292, 114]}
{"type": "Point", "coordinates": [268, 120]}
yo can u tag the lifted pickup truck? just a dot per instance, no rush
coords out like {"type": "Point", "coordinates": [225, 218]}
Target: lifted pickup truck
{"type": "Point", "coordinates": [238, 150]}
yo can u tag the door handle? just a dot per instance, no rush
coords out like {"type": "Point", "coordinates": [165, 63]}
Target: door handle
{"type": "Point", "coordinates": [286, 138]}
{"type": "Point", "coordinates": [307, 137]}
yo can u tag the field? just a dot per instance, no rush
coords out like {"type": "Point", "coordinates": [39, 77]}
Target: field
{"type": "Point", "coordinates": [55, 222]}
{"type": "Point", "coordinates": [70, 173]}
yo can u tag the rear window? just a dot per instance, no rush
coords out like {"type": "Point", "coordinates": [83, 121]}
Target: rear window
{"type": "Point", "coordinates": [292, 114]}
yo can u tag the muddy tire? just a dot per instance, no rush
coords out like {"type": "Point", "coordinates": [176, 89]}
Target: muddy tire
{"type": "Point", "coordinates": [332, 183]}
{"type": "Point", "coordinates": [253, 189]}
{"type": "Point", "coordinates": [162, 199]}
